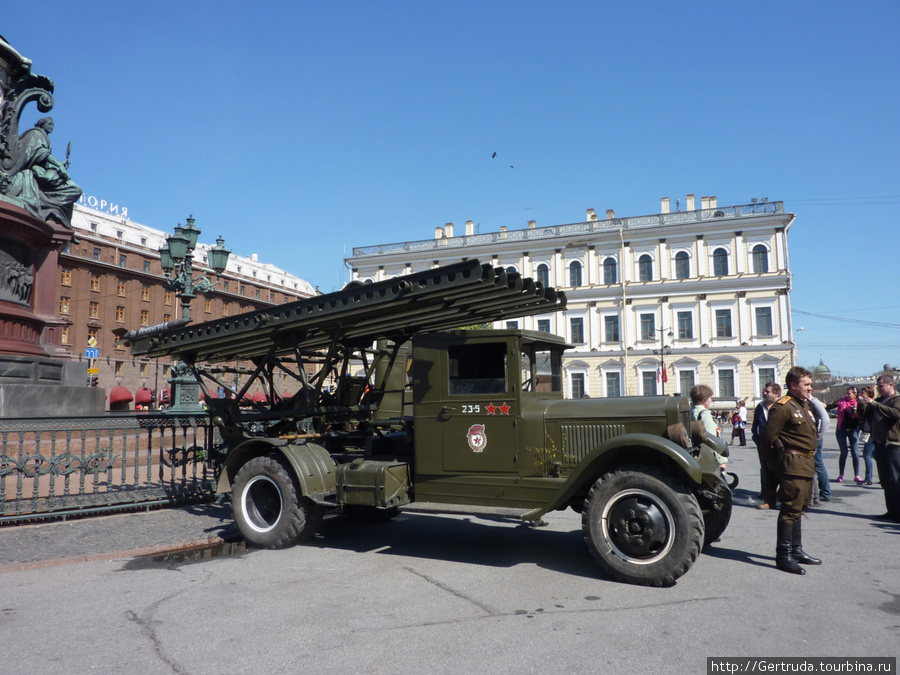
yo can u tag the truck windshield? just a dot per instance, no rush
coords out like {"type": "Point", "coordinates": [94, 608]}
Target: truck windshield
{"type": "Point", "coordinates": [547, 370]}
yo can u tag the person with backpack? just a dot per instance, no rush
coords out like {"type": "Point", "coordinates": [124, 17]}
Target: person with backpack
{"type": "Point", "coordinates": [847, 433]}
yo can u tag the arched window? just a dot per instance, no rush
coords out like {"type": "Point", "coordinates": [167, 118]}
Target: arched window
{"type": "Point", "coordinates": [760, 258]}
{"type": "Point", "coordinates": [645, 268]}
{"type": "Point", "coordinates": [543, 275]}
{"type": "Point", "coordinates": [720, 262]}
{"type": "Point", "coordinates": [512, 270]}
{"type": "Point", "coordinates": [575, 274]}
{"type": "Point", "coordinates": [610, 274]}
{"type": "Point", "coordinates": [682, 265]}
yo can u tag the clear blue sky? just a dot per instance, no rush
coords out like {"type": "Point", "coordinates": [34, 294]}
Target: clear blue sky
{"type": "Point", "coordinates": [301, 129]}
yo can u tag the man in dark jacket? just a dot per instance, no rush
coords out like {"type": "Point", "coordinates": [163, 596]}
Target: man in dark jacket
{"type": "Point", "coordinates": [788, 443]}
{"type": "Point", "coordinates": [768, 479]}
{"type": "Point", "coordinates": [883, 414]}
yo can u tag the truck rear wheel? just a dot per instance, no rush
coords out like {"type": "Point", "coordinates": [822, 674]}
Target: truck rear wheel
{"type": "Point", "coordinates": [642, 526]}
{"type": "Point", "coordinates": [268, 507]}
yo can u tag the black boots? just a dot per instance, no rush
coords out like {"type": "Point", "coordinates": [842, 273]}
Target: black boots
{"type": "Point", "coordinates": [797, 547]}
{"type": "Point", "coordinates": [783, 549]}
{"type": "Point", "coordinates": [789, 548]}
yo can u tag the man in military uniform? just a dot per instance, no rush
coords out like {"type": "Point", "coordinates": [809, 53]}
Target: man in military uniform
{"type": "Point", "coordinates": [788, 443]}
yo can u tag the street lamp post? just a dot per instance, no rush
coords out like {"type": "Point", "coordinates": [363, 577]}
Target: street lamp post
{"type": "Point", "coordinates": [177, 258]}
{"type": "Point", "coordinates": [663, 350]}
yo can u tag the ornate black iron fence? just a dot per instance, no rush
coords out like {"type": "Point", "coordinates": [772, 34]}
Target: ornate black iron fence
{"type": "Point", "coordinates": [61, 467]}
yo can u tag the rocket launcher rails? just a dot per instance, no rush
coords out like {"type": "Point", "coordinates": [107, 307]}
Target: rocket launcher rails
{"type": "Point", "coordinates": [442, 298]}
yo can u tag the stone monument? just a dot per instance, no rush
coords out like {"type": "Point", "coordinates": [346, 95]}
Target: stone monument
{"type": "Point", "coordinates": [37, 375]}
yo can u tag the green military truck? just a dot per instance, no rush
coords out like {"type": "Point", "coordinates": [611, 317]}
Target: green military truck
{"type": "Point", "coordinates": [390, 403]}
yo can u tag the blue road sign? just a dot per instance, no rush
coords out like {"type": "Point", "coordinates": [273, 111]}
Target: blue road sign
{"type": "Point", "coordinates": [92, 353]}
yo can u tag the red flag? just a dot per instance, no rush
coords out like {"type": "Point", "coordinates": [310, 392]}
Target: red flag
{"type": "Point", "coordinates": [665, 375]}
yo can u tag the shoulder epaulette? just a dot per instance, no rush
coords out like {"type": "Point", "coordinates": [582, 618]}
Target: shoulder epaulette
{"type": "Point", "coordinates": [784, 399]}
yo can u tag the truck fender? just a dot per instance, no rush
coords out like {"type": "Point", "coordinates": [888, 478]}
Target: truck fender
{"type": "Point", "coordinates": [624, 449]}
{"type": "Point", "coordinates": [312, 464]}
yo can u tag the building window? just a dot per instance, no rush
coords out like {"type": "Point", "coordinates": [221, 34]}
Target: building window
{"type": "Point", "coordinates": [147, 266]}
{"type": "Point", "coordinates": [95, 283]}
{"type": "Point", "coordinates": [123, 260]}
{"type": "Point", "coordinates": [610, 329]}
{"type": "Point", "coordinates": [119, 234]}
{"type": "Point", "coordinates": [575, 274]}
{"type": "Point", "coordinates": [764, 322]}
{"type": "Point", "coordinates": [682, 265]}
{"type": "Point", "coordinates": [65, 335]}
{"type": "Point", "coordinates": [64, 305]}
{"type": "Point", "coordinates": [167, 317]}
{"type": "Point", "coordinates": [726, 383]}
{"type": "Point", "coordinates": [760, 259]}
{"type": "Point", "coordinates": [243, 289]}
{"type": "Point", "coordinates": [96, 253]}
{"type": "Point", "coordinates": [144, 370]}
{"type": "Point", "coordinates": [720, 262]}
{"type": "Point", "coordinates": [225, 285]}
{"type": "Point", "coordinates": [226, 308]}
{"type": "Point", "coordinates": [685, 326]}
{"type": "Point", "coordinates": [65, 276]}
{"type": "Point", "coordinates": [577, 326]}
{"type": "Point", "coordinates": [577, 385]}
{"type": "Point", "coordinates": [167, 298]}
{"type": "Point", "coordinates": [723, 323]}
{"type": "Point", "coordinates": [648, 327]}
{"type": "Point", "coordinates": [766, 375]}
{"type": "Point", "coordinates": [645, 268]}
{"type": "Point", "coordinates": [120, 288]}
{"type": "Point", "coordinates": [257, 294]}
{"type": "Point", "coordinates": [685, 381]}
{"type": "Point", "coordinates": [120, 314]}
{"type": "Point", "coordinates": [94, 310]}
{"type": "Point", "coordinates": [207, 306]}
{"type": "Point", "coordinates": [610, 273]}
{"type": "Point", "coordinates": [613, 385]}
{"type": "Point", "coordinates": [145, 293]}
{"type": "Point", "coordinates": [543, 325]}
{"type": "Point", "coordinates": [648, 382]}
{"type": "Point", "coordinates": [93, 227]}
{"type": "Point", "coordinates": [512, 325]}
{"type": "Point", "coordinates": [94, 332]}
{"type": "Point", "coordinates": [145, 317]}
{"type": "Point", "coordinates": [120, 367]}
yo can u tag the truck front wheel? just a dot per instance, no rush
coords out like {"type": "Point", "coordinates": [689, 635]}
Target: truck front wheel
{"type": "Point", "coordinates": [268, 507]}
{"type": "Point", "coordinates": [642, 526]}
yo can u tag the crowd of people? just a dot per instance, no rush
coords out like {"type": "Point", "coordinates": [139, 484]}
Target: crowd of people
{"type": "Point", "coordinates": [789, 432]}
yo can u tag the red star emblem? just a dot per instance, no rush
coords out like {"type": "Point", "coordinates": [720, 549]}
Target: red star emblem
{"type": "Point", "coordinates": [490, 408]}
{"type": "Point", "coordinates": [504, 409]}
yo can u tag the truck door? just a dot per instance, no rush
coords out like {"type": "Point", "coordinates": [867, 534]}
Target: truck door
{"type": "Point", "coordinates": [478, 415]}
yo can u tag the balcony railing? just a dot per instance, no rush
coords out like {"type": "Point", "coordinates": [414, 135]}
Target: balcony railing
{"type": "Point", "coordinates": [538, 233]}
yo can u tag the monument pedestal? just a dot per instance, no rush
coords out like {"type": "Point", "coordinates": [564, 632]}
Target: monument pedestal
{"type": "Point", "coordinates": [37, 376]}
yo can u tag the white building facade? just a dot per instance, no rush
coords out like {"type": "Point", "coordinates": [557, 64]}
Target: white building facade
{"type": "Point", "coordinates": [656, 304]}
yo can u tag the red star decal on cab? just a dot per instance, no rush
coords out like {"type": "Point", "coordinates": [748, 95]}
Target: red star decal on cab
{"type": "Point", "coordinates": [504, 409]}
{"type": "Point", "coordinates": [490, 408]}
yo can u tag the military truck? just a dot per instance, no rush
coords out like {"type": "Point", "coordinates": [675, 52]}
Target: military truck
{"type": "Point", "coordinates": [376, 399]}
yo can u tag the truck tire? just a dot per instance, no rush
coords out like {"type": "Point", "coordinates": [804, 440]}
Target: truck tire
{"type": "Point", "coordinates": [642, 526]}
{"type": "Point", "coordinates": [716, 521]}
{"type": "Point", "coordinates": [268, 507]}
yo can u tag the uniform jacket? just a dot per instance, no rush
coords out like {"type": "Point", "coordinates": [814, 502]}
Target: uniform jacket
{"type": "Point", "coordinates": [791, 428]}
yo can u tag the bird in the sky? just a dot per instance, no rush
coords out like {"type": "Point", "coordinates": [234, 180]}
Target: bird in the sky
{"type": "Point", "coordinates": [494, 155]}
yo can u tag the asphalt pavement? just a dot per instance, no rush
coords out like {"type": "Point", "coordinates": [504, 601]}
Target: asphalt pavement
{"type": "Point", "coordinates": [438, 592]}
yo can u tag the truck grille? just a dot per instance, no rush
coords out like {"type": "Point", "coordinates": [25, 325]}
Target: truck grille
{"type": "Point", "coordinates": [579, 439]}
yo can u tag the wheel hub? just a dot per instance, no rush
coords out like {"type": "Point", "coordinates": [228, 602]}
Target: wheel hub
{"type": "Point", "coordinates": [638, 526]}
{"type": "Point", "coordinates": [262, 503]}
